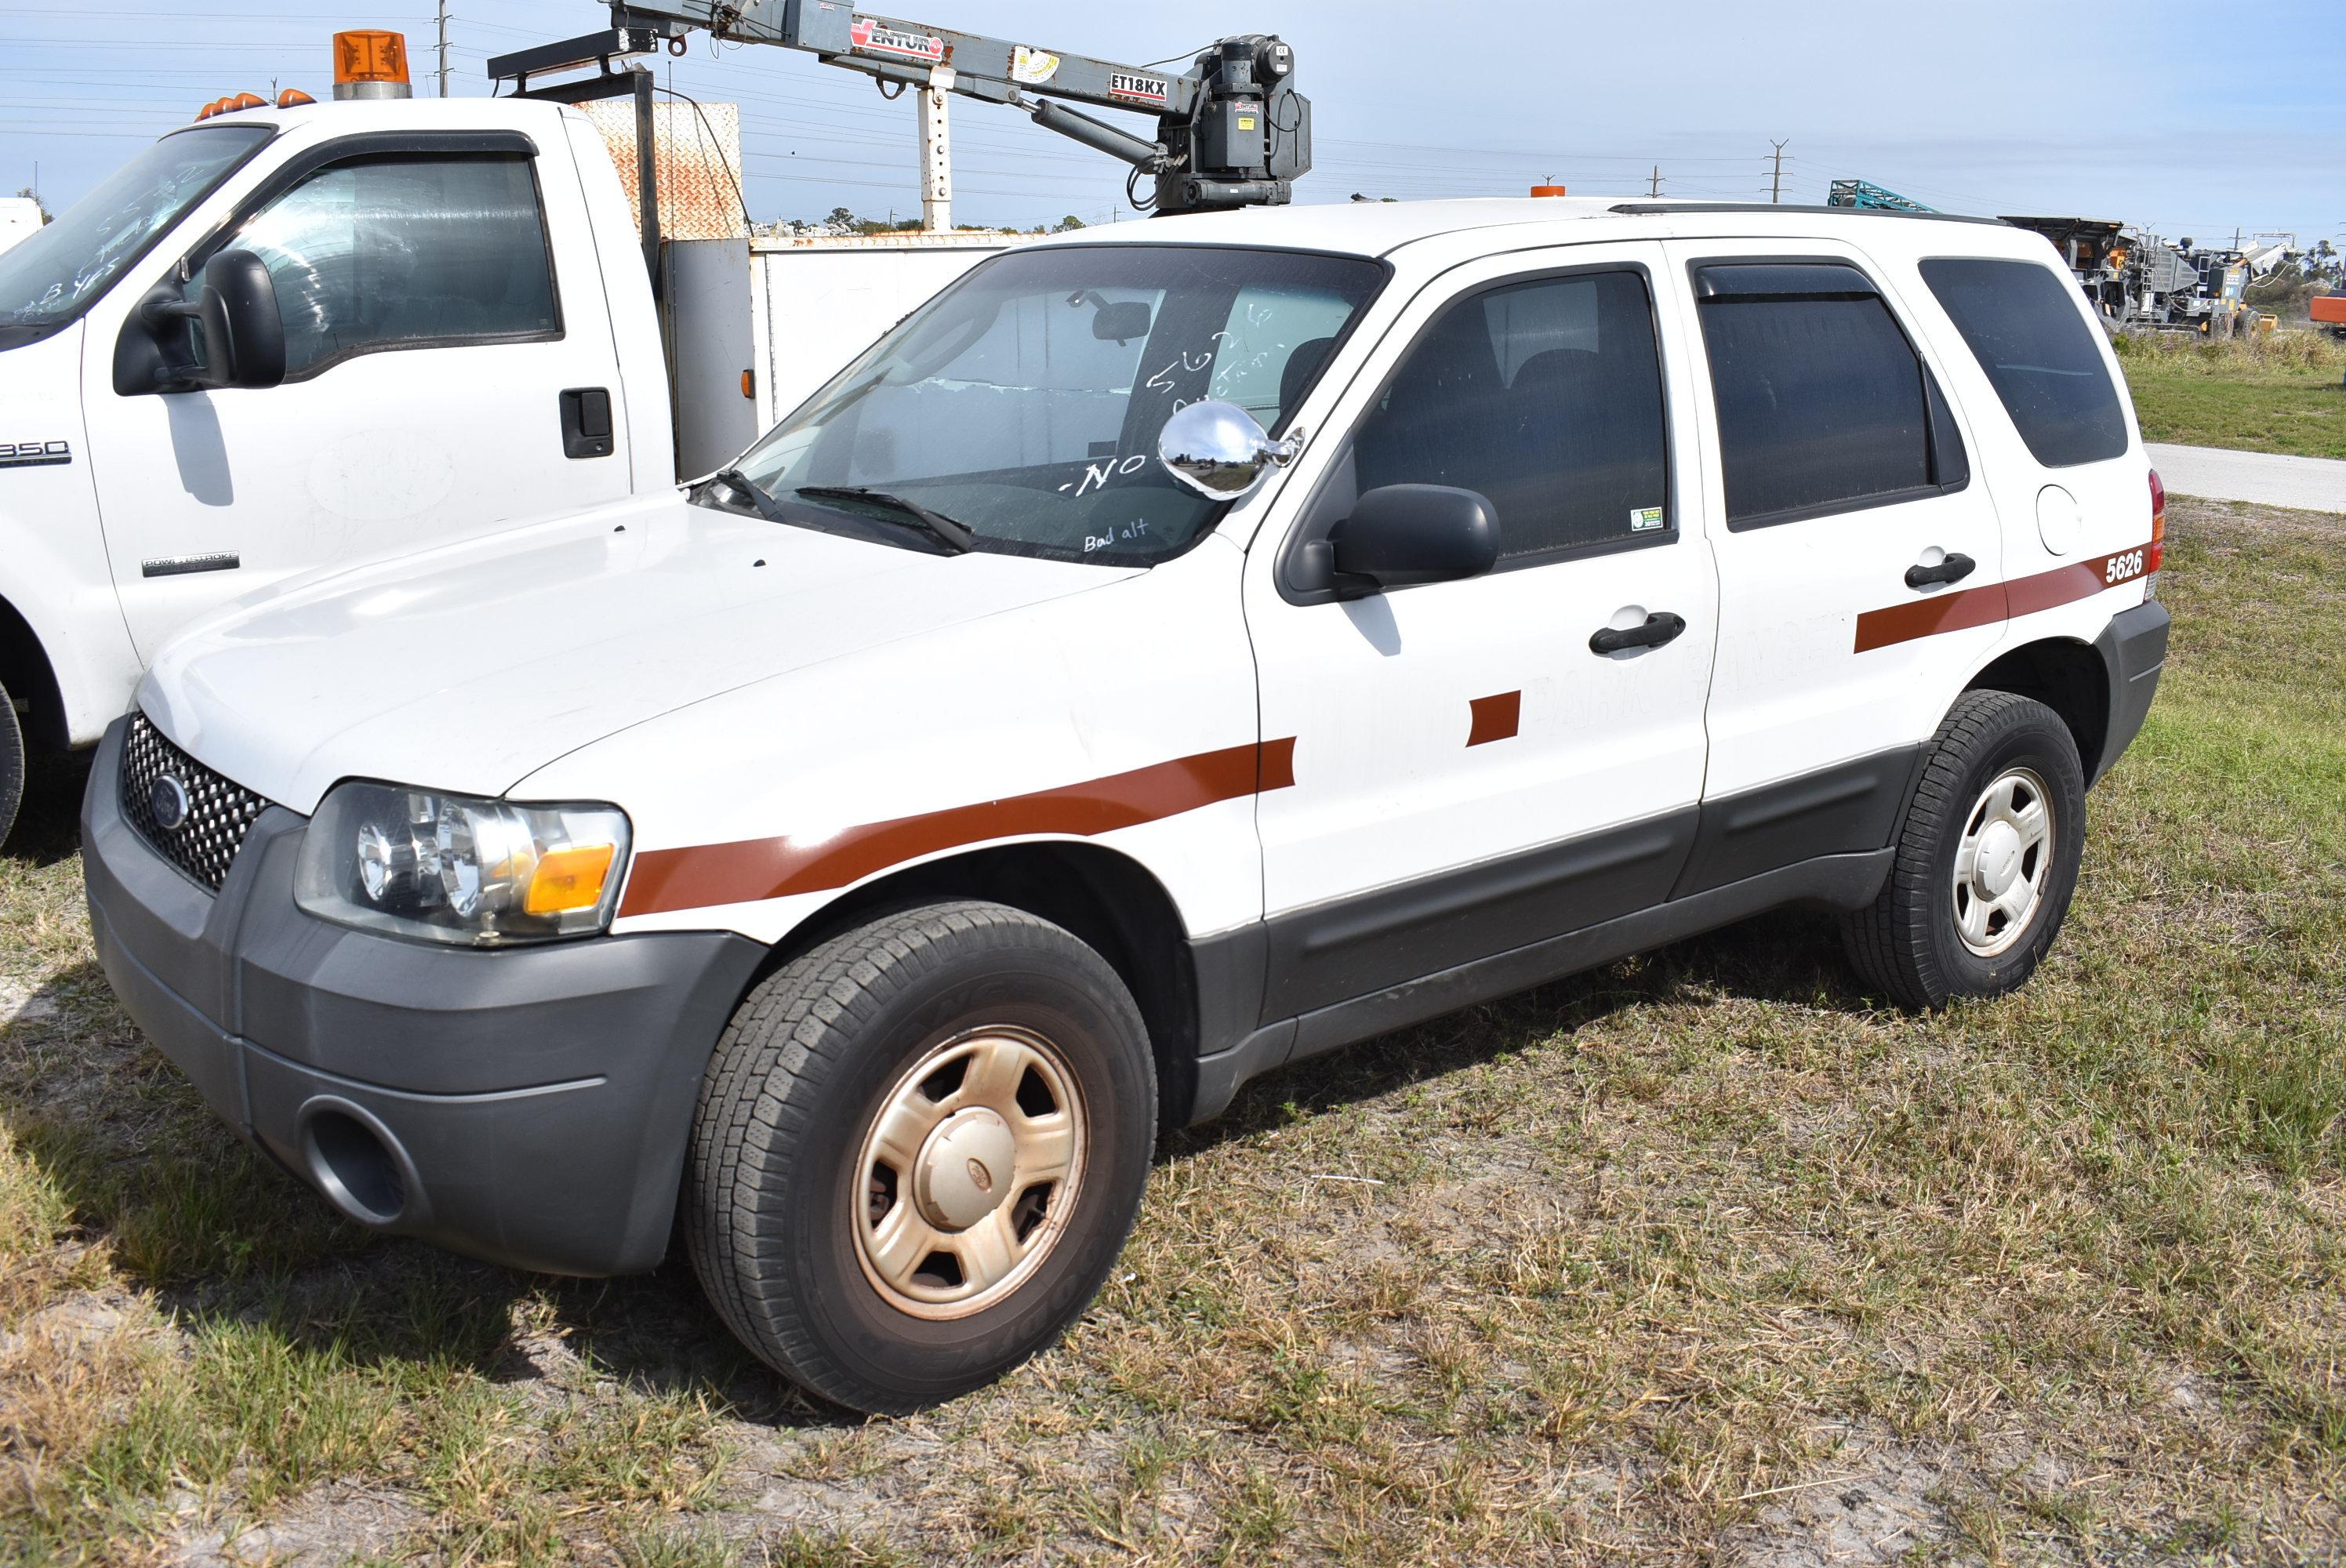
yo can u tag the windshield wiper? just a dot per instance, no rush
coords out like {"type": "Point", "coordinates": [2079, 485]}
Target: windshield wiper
{"type": "Point", "coordinates": [740, 484]}
{"type": "Point", "coordinates": [936, 524]}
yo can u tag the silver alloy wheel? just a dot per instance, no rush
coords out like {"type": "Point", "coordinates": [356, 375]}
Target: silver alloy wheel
{"type": "Point", "coordinates": [2002, 862]}
{"type": "Point", "coordinates": [969, 1171]}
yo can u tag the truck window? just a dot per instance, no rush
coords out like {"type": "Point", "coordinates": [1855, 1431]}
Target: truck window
{"type": "Point", "coordinates": [1823, 406]}
{"type": "Point", "coordinates": [1025, 401]}
{"type": "Point", "coordinates": [2021, 322]}
{"type": "Point", "coordinates": [405, 253]}
{"type": "Point", "coordinates": [1545, 397]}
{"type": "Point", "coordinates": [50, 278]}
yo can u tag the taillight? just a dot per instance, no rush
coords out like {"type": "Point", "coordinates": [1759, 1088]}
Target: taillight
{"type": "Point", "coordinates": [2158, 551]}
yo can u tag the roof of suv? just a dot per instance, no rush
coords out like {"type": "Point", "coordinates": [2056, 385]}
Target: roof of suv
{"type": "Point", "coordinates": [1377, 228]}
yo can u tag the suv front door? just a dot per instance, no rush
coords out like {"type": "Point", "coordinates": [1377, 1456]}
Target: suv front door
{"type": "Point", "coordinates": [431, 339]}
{"type": "Point", "coordinates": [1469, 775]}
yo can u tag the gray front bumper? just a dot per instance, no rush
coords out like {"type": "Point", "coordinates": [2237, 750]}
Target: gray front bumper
{"type": "Point", "coordinates": [530, 1106]}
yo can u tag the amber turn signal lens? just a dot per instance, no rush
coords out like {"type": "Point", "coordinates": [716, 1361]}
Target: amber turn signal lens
{"type": "Point", "coordinates": [569, 879]}
{"type": "Point", "coordinates": [749, 383]}
{"type": "Point", "coordinates": [369, 56]}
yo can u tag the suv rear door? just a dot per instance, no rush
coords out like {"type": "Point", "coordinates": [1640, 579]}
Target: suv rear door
{"type": "Point", "coordinates": [442, 302]}
{"type": "Point", "coordinates": [1839, 496]}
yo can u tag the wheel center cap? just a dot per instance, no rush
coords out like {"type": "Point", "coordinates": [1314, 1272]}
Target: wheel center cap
{"type": "Point", "coordinates": [1998, 865]}
{"type": "Point", "coordinates": [964, 1168]}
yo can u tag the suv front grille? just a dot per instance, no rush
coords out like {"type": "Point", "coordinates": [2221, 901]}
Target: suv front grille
{"type": "Point", "coordinates": [217, 813]}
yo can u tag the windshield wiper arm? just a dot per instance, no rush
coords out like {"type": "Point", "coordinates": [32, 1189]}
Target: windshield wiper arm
{"type": "Point", "coordinates": [936, 524]}
{"type": "Point", "coordinates": [741, 484]}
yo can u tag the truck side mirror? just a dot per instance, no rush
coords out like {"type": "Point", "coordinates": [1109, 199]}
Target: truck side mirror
{"type": "Point", "coordinates": [1402, 535]}
{"type": "Point", "coordinates": [1218, 450]}
{"type": "Point", "coordinates": [228, 335]}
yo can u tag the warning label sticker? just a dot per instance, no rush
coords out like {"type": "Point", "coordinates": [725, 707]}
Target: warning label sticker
{"type": "Point", "coordinates": [1031, 67]}
{"type": "Point", "coordinates": [1130, 84]}
{"type": "Point", "coordinates": [1645, 519]}
{"type": "Point", "coordinates": [872, 38]}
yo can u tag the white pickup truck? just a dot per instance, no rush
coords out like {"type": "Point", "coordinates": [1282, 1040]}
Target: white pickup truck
{"type": "Point", "coordinates": [469, 338]}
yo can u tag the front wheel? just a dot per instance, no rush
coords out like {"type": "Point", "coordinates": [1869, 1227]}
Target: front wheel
{"type": "Point", "coordinates": [918, 1151]}
{"type": "Point", "coordinates": [12, 764]}
{"type": "Point", "coordinates": [1987, 858]}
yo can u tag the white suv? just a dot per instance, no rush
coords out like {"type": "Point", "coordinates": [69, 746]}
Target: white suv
{"type": "Point", "coordinates": [1160, 658]}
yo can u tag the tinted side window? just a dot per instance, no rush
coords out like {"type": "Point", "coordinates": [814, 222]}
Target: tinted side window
{"type": "Point", "coordinates": [2021, 322]}
{"type": "Point", "coordinates": [401, 253]}
{"type": "Point", "coordinates": [1546, 398]}
{"type": "Point", "coordinates": [1822, 405]}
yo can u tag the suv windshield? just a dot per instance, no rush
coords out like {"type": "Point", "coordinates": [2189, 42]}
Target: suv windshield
{"type": "Point", "coordinates": [47, 279]}
{"type": "Point", "coordinates": [1024, 403]}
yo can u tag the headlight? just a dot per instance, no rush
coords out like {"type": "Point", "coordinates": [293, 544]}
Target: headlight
{"type": "Point", "coordinates": [450, 868]}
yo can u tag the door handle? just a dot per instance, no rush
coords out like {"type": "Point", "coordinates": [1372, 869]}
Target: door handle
{"type": "Point", "coordinates": [1660, 628]}
{"type": "Point", "coordinates": [586, 422]}
{"type": "Point", "coordinates": [1953, 569]}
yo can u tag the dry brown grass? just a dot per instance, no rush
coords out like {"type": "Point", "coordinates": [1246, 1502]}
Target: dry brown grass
{"type": "Point", "coordinates": [1698, 1259]}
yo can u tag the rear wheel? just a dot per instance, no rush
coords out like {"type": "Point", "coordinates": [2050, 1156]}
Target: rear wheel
{"type": "Point", "coordinates": [919, 1148]}
{"type": "Point", "coordinates": [12, 764]}
{"type": "Point", "coordinates": [1987, 858]}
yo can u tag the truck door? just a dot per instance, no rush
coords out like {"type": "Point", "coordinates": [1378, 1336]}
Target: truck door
{"type": "Point", "coordinates": [1847, 524]}
{"type": "Point", "coordinates": [449, 367]}
{"type": "Point", "coordinates": [1486, 763]}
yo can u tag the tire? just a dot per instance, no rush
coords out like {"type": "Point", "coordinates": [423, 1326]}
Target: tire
{"type": "Point", "coordinates": [12, 764]}
{"type": "Point", "coordinates": [1926, 939]}
{"type": "Point", "coordinates": [798, 1209]}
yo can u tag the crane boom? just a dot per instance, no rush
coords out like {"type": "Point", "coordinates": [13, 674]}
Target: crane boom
{"type": "Point", "coordinates": [1231, 129]}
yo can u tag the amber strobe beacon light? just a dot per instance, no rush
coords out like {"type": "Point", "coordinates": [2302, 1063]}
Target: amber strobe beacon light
{"type": "Point", "coordinates": [371, 65]}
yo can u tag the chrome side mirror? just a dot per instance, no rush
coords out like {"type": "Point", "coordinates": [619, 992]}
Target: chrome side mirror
{"type": "Point", "coordinates": [1218, 450]}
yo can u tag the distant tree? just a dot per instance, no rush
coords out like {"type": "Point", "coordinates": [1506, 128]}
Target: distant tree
{"type": "Point", "coordinates": [37, 205]}
{"type": "Point", "coordinates": [1068, 222]}
{"type": "Point", "coordinates": [843, 221]}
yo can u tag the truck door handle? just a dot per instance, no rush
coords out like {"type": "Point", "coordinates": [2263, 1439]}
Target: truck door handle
{"type": "Point", "coordinates": [1953, 569]}
{"type": "Point", "coordinates": [1660, 628]}
{"type": "Point", "coordinates": [586, 422]}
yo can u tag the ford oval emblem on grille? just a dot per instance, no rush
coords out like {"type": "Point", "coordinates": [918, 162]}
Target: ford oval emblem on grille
{"type": "Point", "coordinates": [168, 798]}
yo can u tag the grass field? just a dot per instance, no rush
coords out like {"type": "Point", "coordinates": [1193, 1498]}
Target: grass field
{"type": "Point", "coordinates": [1699, 1259]}
{"type": "Point", "coordinates": [2256, 394]}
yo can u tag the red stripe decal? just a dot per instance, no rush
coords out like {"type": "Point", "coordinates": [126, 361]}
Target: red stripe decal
{"type": "Point", "coordinates": [1995, 602]}
{"type": "Point", "coordinates": [1494, 717]}
{"type": "Point", "coordinates": [699, 875]}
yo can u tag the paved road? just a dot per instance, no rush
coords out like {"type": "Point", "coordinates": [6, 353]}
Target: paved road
{"type": "Point", "coordinates": [2310, 483]}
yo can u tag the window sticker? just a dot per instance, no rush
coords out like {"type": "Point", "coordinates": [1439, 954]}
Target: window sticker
{"type": "Point", "coordinates": [1645, 519]}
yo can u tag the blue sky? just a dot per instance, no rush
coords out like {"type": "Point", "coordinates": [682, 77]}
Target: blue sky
{"type": "Point", "coordinates": [2188, 118]}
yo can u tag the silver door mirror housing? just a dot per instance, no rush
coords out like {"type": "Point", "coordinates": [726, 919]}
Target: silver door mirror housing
{"type": "Point", "coordinates": [1218, 450]}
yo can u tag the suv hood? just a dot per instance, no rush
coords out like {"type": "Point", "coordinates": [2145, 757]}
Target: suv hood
{"type": "Point", "coordinates": [467, 667]}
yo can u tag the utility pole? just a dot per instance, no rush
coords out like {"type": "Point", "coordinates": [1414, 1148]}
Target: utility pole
{"type": "Point", "coordinates": [1776, 184]}
{"type": "Point", "coordinates": [1656, 187]}
{"type": "Point", "coordinates": [443, 48]}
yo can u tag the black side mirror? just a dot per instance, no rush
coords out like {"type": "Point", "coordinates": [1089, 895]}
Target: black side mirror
{"type": "Point", "coordinates": [1402, 534]}
{"type": "Point", "coordinates": [233, 316]}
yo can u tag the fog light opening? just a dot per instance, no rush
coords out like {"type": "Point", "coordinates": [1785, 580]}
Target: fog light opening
{"type": "Point", "coordinates": [356, 1170]}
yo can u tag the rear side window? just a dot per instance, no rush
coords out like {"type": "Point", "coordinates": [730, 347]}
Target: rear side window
{"type": "Point", "coordinates": [1545, 397]}
{"type": "Point", "coordinates": [2021, 322]}
{"type": "Point", "coordinates": [399, 253]}
{"type": "Point", "coordinates": [1823, 406]}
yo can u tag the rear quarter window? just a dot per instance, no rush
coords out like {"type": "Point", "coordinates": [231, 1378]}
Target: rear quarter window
{"type": "Point", "coordinates": [2021, 321]}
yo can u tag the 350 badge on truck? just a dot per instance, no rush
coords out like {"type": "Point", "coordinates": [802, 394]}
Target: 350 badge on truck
{"type": "Point", "coordinates": [33, 453]}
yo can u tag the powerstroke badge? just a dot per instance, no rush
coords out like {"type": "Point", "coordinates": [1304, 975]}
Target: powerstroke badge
{"type": "Point", "coordinates": [872, 38]}
{"type": "Point", "coordinates": [33, 453]}
{"type": "Point", "coordinates": [1129, 85]}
